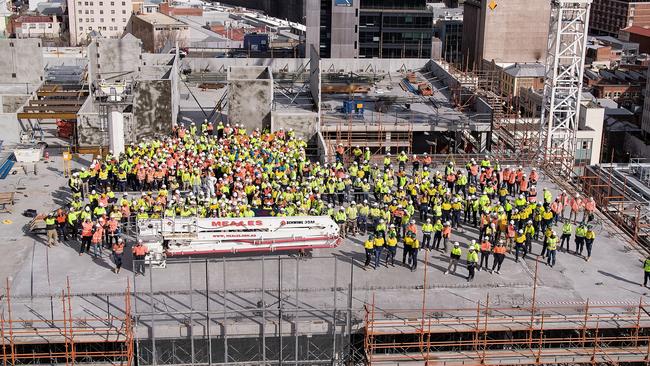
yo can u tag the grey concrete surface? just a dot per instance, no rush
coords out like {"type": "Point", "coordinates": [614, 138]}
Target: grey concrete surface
{"type": "Point", "coordinates": [310, 289]}
{"type": "Point", "coordinates": [13, 68]}
{"type": "Point", "coordinates": [250, 96]}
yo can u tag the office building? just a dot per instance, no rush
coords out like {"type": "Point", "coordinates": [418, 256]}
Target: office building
{"type": "Point", "coordinates": [505, 31]}
{"type": "Point", "coordinates": [106, 17]}
{"type": "Point", "coordinates": [370, 28]}
{"type": "Point", "coordinates": [608, 17]}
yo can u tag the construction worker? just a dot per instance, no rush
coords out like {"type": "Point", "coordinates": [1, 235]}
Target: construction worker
{"type": "Point", "coordinates": [567, 229]}
{"type": "Point", "coordinates": [499, 256]}
{"type": "Point", "coordinates": [118, 253]}
{"type": "Point", "coordinates": [590, 236]}
{"type": "Point", "coordinates": [414, 245]}
{"type": "Point", "coordinates": [437, 234]}
{"type": "Point", "coordinates": [446, 234]}
{"type": "Point", "coordinates": [362, 220]}
{"type": "Point", "coordinates": [378, 243]}
{"type": "Point", "coordinates": [581, 232]}
{"type": "Point", "coordinates": [391, 245]}
{"type": "Point", "coordinates": [646, 271]}
{"type": "Point", "coordinates": [369, 248]}
{"type": "Point", "coordinates": [427, 229]}
{"type": "Point", "coordinates": [86, 236]}
{"type": "Point", "coordinates": [520, 245]}
{"type": "Point", "coordinates": [551, 248]}
{"type": "Point", "coordinates": [454, 257]}
{"type": "Point", "coordinates": [61, 219]}
{"type": "Point", "coordinates": [50, 226]}
{"type": "Point", "coordinates": [139, 252]}
{"type": "Point", "coordinates": [472, 262]}
{"type": "Point", "coordinates": [352, 213]}
{"type": "Point", "coordinates": [97, 240]}
{"type": "Point", "coordinates": [486, 250]}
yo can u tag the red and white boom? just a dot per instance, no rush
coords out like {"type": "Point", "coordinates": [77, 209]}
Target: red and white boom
{"type": "Point", "coordinates": [194, 236]}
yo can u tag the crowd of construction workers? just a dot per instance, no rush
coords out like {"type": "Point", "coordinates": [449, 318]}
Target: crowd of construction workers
{"type": "Point", "coordinates": [401, 201]}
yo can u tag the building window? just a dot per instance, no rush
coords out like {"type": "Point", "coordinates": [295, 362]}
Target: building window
{"type": "Point", "coordinates": [112, 3]}
{"type": "Point", "coordinates": [123, 3]}
{"type": "Point", "coordinates": [86, 3]}
{"type": "Point", "coordinates": [81, 20]}
{"type": "Point", "coordinates": [112, 20]}
{"type": "Point", "coordinates": [113, 11]}
{"type": "Point", "coordinates": [123, 11]}
{"type": "Point", "coordinates": [81, 28]}
{"type": "Point", "coordinates": [101, 11]}
{"type": "Point", "coordinates": [124, 20]}
{"type": "Point", "coordinates": [80, 12]}
{"type": "Point", "coordinates": [101, 20]}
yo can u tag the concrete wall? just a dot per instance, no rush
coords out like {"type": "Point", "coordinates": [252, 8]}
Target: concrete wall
{"type": "Point", "coordinates": [21, 61]}
{"type": "Point", "coordinates": [344, 35]}
{"type": "Point", "coordinates": [377, 64]}
{"type": "Point", "coordinates": [152, 110]}
{"type": "Point", "coordinates": [115, 59]}
{"type": "Point", "coordinates": [305, 124]}
{"type": "Point", "coordinates": [11, 103]}
{"type": "Point", "coordinates": [312, 16]}
{"type": "Point", "coordinates": [250, 96]}
{"type": "Point", "coordinates": [10, 129]}
{"type": "Point", "coordinates": [223, 64]}
{"type": "Point", "coordinates": [590, 126]}
{"type": "Point", "coordinates": [314, 76]}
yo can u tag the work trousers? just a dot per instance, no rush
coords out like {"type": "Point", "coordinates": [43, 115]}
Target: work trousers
{"type": "Point", "coordinates": [580, 243]}
{"type": "Point", "coordinates": [520, 248]}
{"type": "Point", "coordinates": [138, 264]}
{"type": "Point", "coordinates": [390, 254]}
{"type": "Point", "coordinates": [405, 253]}
{"type": "Point", "coordinates": [117, 258]}
{"type": "Point", "coordinates": [589, 243]}
{"type": "Point", "coordinates": [470, 269]}
{"type": "Point", "coordinates": [437, 237]}
{"type": "Point", "coordinates": [52, 237]}
{"type": "Point", "coordinates": [378, 251]}
{"type": "Point", "coordinates": [85, 244]}
{"type": "Point", "coordinates": [498, 260]}
{"type": "Point", "coordinates": [453, 262]}
{"type": "Point", "coordinates": [369, 253]}
{"type": "Point", "coordinates": [565, 238]}
{"type": "Point", "coordinates": [551, 258]}
{"type": "Point", "coordinates": [426, 240]}
{"type": "Point", "coordinates": [485, 256]}
{"type": "Point", "coordinates": [413, 258]}
{"type": "Point", "coordinates": [352, 226]}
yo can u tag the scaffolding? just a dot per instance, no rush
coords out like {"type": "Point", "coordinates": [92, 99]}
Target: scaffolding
{"type": "Point", "coordinates": [65, 338]}
{"type": "Point", "coordinates": [491, 335]}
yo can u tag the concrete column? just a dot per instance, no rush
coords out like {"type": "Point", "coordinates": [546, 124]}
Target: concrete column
{"type": "Point", "coordinates": [116, 132]}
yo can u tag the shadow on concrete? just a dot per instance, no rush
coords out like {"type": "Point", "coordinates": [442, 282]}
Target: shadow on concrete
{"type": "Point", "coordinates": [619, 278]}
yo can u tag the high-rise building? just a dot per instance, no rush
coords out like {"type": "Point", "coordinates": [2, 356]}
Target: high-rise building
{"type": "Point", "coordinates": [106, 17]}
{"type": "Point", "coordinates": [608, 17]}
{"type": "Point", "coordinates": [370, 28]}
{"type": "Point", "coordinates": [505, 31]}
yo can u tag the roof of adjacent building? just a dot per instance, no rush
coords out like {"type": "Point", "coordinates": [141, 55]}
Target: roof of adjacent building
{"type": "Point", "coordinates": [526, 70]}
{"type": "Point", "coordinates": [642, 31]}
{"type": "Point", "coordinates": [159, 19]}
{"type": "Point", "coordinates": [33, 19]}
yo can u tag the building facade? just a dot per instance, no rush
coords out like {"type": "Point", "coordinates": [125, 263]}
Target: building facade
{"type": "Point", "coordinates": [106, 17]}
{"type": "Point", "coordinates": [159, 32]}
{"type": "Point", "coordinates": [505, 31]}
{"type": "Point", "coordinates": [608, 17]}
{"type": "Point", "coordinates": [370, 28]}
{"type": "Point", "coordinates": [35, 26]}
